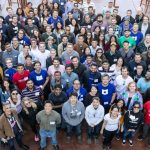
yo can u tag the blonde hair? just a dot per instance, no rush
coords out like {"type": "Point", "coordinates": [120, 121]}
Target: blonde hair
{"type": "Point", "coordinates": [33, 105]}
{"type": "Point", "coordinates": [135, 86]}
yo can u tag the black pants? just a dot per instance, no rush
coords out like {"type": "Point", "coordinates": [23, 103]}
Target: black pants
{"type": "Point", "coordinates": [34, 128]}
{"type": "Point", "coordinates": [146, 132]}
{"type": "Point", "coordinates": [108, 136]}
{"type": "Point", "coordinates": [11, 142]}
{"type": "Point", "coordinates": [94, 131]}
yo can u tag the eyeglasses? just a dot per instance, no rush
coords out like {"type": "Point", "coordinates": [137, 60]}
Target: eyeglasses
{"type": "Point", "coordinates": [136, 107]}
{"type": "Point", "coordinates": [14, 93]}
{"type": "Point", "coordinates": [99, 52]}
{"type": "Point", "coordinates": [27, 103]}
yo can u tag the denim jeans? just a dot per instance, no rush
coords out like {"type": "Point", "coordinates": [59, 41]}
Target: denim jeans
{"type": "Point", "coordinates": [70, 128]}
{"type": "Point", "coordinates": [126, 133]}
{"type": "Point", "coordinates": [44, 134]}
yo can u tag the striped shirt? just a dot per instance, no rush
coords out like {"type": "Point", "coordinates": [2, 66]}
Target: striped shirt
{"type": "Point", "coordinates": [85, 6]}
{"type": "Point", "coordinates": [35, 94]}
{"type": "Point", "coordinates": [110, 72]}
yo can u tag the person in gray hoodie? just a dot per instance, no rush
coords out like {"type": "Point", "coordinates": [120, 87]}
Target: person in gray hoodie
{"type": "Point", "coordinates": [73, 114]}
{"type": "Point", "coordinates": [94, 115]}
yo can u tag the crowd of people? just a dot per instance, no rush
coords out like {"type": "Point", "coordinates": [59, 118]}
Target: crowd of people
{"type": "Point", "coordinates": [64, 66]}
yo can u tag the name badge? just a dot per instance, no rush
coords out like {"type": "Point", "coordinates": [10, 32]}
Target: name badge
{"type": "Point", "coordinates": [81, 99]}
{"type": "Point", "coordinates": [105, 103]}
{"type": "Point", "coordinates": [115, 60]}
{"type": "Point", "coordinates": [52, 122]}
{"type": "Point", "coordinates": [37, 94]}
{"type": "Point", "coordinates": [38, 78]}
{"type": "Point", "coordinates": [79, 113]}
{"type": "Point", "coordinates": [26, 78]}
{"type": "Point", "coordinates": [96, 80]}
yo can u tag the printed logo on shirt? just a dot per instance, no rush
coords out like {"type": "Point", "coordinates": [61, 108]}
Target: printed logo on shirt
{"type": "Point", "coordinates": [38, 78]}
{"type": "Point", "coordinates": [26, 78]}
{"type": "Point", "coordinates": [105, 92]}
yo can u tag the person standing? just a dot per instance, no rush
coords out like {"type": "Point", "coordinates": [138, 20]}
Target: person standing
{"type": "Point", "coordinates": [73, 114]}
{"type": "Point", "coordinates": [10, 128]}
{"type": "Point", "coordinates": [146, 128]}
{"type": "Point", "coordinates": [107, 92]}
{"type": "Point", "coordinates": [48, 119]}
{"type": "Point", "coordinates": [132, 122]}
{"type": "Point", "coordinates": [121, 82]}
{"type": "Point", "coordinates": [110, 126]}
{"type": "Point", "coordinates": [94, 115]}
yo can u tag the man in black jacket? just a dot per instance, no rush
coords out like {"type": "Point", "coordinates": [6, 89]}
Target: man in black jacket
{"type": "Point", "coordinates": [78, 68]}
{"type": "Point", "coordinates": [91, 77]}
{"type": "Point", "coordinates": [14, 27]}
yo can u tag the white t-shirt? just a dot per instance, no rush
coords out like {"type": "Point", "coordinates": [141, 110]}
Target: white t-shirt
{"type": "Point", "coordinates": [35, 52]}
{"type": "Point", "coordinates": [121, 83]}
{"type": "Point", "coordinates": [42, 58]}
{"type": "Point", "coordinates": [112, 124]}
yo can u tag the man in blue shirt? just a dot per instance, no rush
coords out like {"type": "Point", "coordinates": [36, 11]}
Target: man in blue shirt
{"type": "Point", "coordinates": [78, 89]}
{"type": "Point", "coordinates": [69, 76]}
{"type": "Point", "coordinates": [136, 34]}
{"type": "Point", "coordinates": [39, 76]}
{"type": "Point", "coordinates": [54, 19]}
{"type": "Point", "coordinates": [10, 71]}
{"type": "Point", "coordinates": [107, 92]}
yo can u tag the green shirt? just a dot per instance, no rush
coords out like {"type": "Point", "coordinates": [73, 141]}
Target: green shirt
{"type": "Point", "coordinates": [131, 41]}
{"type": "Point", "coordinates": [48, 121]}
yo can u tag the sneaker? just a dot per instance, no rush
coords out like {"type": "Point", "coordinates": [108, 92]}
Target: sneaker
{"type": "Point", "coordinates": [56, 147]}
{"type": "Point", "coordinates": [36, 138]}
{"type": "Point", "coordinates": [79, 139]}
{"type": "Point", "coordinates": [123, 142]}
{"type": "Point", "coordinates": [89, 141]}
{"type": "Point", "coordinates": [140, 138]}
{"type": "Point", "coordinates": [109, 147]}
{"type": "Point", "coordinates": [104, 147]}
{"type": "Point", "coordinates": [96, 141]}
{"type": "Point", "coordinates": [117, 137]}
{"type": "Point", "coordinates": [148, 144]}
{"type": "Point", "coordinates": [68, 139]}
{"type": "Point", "coordinates": [130, 142]}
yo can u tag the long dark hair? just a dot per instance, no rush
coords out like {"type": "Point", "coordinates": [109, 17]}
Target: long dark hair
{"type": "Point", "coordinates": [17, 12]}
{"type": "Point", "coordinates": [112, 36]}
{"type": "Point", "coordinates": [10, 84]}
{"type": "Point", "coordinates": [103, 42]}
